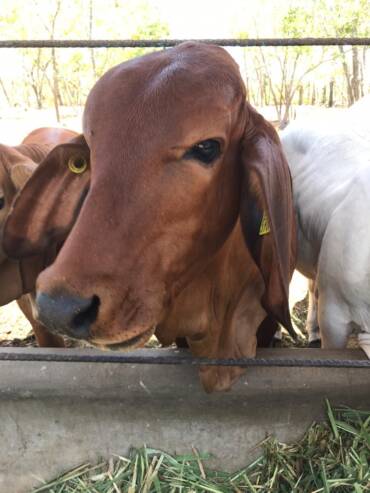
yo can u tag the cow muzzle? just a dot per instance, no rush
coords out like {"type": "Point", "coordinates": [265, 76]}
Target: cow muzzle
{"type": "Point", "coordinates": [67, 314]}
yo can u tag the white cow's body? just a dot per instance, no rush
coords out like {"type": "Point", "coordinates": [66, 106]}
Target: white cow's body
{"type": "Point", "coordinates": [330, 166]}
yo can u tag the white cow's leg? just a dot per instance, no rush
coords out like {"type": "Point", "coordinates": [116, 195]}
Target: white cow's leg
{"type": "Point", "coordinates": [312, 324]}
{"type": "Point", "coordinates": [278, 336]}
{"type": "Point", "coordinates": [364, 342]}
{"type": "Point", "coordinates": [334, 321]}
{"type": "Point", "coordinates": [343, 270]}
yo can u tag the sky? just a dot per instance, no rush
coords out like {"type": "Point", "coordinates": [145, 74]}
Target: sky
{"type": "Point", "coordinates": [203, 18]}
{"type": "Point", "coordinates": [186, 19]}
{"type": "Point", "coordinates": [211, 18]}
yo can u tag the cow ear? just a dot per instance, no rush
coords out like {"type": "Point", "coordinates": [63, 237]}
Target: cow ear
{"type": "Point", "coordinates": [44, 211]}
{"type": "Point", "coordinates": [267, 214]}
{"type": "Point", "coordinates": [20, 173]}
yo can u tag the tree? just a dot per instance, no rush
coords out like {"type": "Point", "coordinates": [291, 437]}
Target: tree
{"type": "Point", "coordinates": [285, 68]}
{"type": "Point", "coordinates": [35, 66]}
{"type": "Point", "coordinates": [91, 18]}
{"type": "Point", "coordinates": [59, 76]}
{"type": "Point", "coordinates": [284, 76]}
{"type": "Point", "coordinates": [353, 21]}
{"type": "Point", "coordinates": [51, 29]}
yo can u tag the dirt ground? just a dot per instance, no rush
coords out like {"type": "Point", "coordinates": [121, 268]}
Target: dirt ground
{"type": "Point", "coordinates": [13, 325]}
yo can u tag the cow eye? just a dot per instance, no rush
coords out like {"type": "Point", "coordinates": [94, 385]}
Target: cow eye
{"type": "Point", "coordinates": [77, 164]}
{"type": "Point", "coordinates": [2, 202]}
{"type": "Point", "coordinates": [206, 151]}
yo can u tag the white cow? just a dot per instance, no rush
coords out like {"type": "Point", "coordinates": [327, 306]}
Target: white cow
{"type": "Point", "coordinates": [330, 165]}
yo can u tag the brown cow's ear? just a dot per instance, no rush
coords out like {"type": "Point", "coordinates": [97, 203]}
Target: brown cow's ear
{"type": "Point", "coordinates": [46, 208]}
{"type": "Point", "coordinates": [20, 173]}
{"type": "Point", "coordinates": [11, 286]}
{"type": "Point", "coordinates": [267, 214]}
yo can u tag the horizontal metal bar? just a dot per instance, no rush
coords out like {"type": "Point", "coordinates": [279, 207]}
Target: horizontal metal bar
{"type": "Point", "coordinates": [161, 43]}
{"type": "Point", "coordinates": [178, 358]}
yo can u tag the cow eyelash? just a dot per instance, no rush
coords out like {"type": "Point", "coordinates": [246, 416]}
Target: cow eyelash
{"type": "Point", "coordinates": [2, 202]}
{"type": "Point", "coordinates": [206, 151]}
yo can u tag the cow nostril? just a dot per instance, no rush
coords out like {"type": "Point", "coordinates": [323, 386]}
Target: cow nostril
{"type": "Point", "coordinates": [81, 322]}
{"type": "Point", "coordinates": [67, 314]}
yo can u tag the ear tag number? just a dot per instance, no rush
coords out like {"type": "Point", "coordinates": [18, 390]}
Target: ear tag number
{"type": "Point", "coordinates": [265, 226]}
{"type": "Point", "coordinates": [77, 164]}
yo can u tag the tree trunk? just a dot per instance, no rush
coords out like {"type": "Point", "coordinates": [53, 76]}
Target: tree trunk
{"type": "Point", "coordinates": [364, 80]}
{"type": "Point", "coordinates": [247, 88]}
{"type": "Point", "coordinates": [56, 95]}
{"type": "Point", "coordinates": [261, 87]}
{"type": "Point", "coordinates": [55, 85]}
{"type": "Point", "coordinates": [331, 94]}
{"type": "Point", "coordinates": [347, 76]}
{"type": "Point", "coordinates": [38, 95]}
{"type": "Point", "coordinates": [355, 74]}
{"type": "Point", "coordinates": [5, 92]}
{"type": "Point", "coordinates": [92, 55]}
{"type": "Point", "coordinates": [323, 97]}
{"type": "Point", "coordinates": [266, 95]}
{"type": "Point", "coordinates": [313, 96]}
{"type": "Point", "coordinates": [300, 95]}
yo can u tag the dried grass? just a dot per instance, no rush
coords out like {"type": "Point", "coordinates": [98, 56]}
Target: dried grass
{"type": "Point", "coordinates": [333, 456]}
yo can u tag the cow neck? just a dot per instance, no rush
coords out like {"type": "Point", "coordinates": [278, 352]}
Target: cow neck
{"type": "Point", "coordinates": [207, 307]}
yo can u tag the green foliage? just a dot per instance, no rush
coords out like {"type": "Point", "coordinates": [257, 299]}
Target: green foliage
{"type": "Point", "coordinates": [68, 19]}
{"type": "Point", "coordinates": [279, 77]}
{"type": "Point", "coordinates": [344, 18]}
{"type": "Point", "coordinates": [297, 23]}
{"type": "Point", "coordinates": [287, 76]}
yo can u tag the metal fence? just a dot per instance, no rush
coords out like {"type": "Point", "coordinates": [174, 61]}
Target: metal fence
{"type": "Point", "coordinates": [164, 43]}
{"type": "Point", "coordinates": [181, 358]}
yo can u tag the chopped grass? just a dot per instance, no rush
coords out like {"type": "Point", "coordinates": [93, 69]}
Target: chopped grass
{"type": "Point", "coordinates": [332, 457]}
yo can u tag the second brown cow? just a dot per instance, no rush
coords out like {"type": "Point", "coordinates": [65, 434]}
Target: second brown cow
{"type": "Point", "coordinates": [17, 163]}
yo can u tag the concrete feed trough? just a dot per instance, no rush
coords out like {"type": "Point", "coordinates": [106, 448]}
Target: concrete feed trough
{"type": "Point", "coordinates": [57, 415]}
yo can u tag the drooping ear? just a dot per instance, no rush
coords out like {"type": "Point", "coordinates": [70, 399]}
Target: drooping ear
{"type": "Point", "coordinates": [267, 214]}
{"type": "Point", "coordinates": [46, 208]}
{"type": "Point", "coordinates": [11, 286]}
{"type": "Point", "coordinates": [266, 331]}
{"type": "Point", "coordinates": [19, 277]}
{"type": "Point", "coordinates": [20, 173]}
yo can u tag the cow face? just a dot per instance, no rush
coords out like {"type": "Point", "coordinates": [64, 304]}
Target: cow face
{"type": "Point", "coordinates": [176, 156]}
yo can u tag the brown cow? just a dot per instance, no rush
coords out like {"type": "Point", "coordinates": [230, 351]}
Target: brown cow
{"type": "Point", "coordinates": [16, 165]}
{"type": "Point", "coordinates": [187, 229]}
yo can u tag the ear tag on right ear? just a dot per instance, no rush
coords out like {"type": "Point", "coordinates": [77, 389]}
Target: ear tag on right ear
{"type": "Point", "coordinates": [265, 226]}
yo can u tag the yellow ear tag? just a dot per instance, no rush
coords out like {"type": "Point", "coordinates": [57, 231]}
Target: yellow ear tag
{"type": "Point", "coordinates": [77, 164]}
{"type": "Point", "coordinates": [265, 226]}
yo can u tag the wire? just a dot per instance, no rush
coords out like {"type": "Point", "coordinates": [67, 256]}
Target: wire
{"type": "Point", "coordinates": [162, 43]}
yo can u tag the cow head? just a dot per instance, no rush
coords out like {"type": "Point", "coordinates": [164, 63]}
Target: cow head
{"type": "Point", "coordinates": [16, 166]}
{"type": "Point", "coordinates": [15, 169]}
{"type": "Point", "coordinates": [177, 157]}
